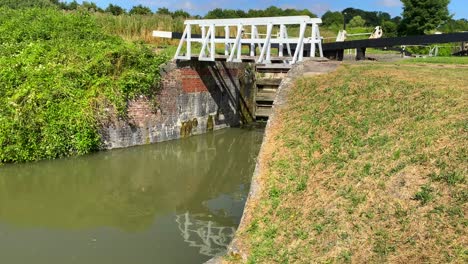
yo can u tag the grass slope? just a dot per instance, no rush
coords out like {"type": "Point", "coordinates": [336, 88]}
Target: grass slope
{"type": "Point", "coordinates": [439, 60]}
{"type": "Point", "coordinates": [58, 72]}
{"type": "Point", "coordinates": [368, 165]}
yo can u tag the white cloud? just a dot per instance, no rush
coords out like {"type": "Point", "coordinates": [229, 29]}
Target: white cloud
{"type": "Point", "coordinates": [390, 3]}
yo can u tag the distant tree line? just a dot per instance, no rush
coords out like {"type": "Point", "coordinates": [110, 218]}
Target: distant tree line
{"type": "Point", "coordinates": [419, 16]}
{"type": "Point", "coordinates": [271, 11]}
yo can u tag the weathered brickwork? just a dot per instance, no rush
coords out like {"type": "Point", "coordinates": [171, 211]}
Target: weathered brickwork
{"type": "Point", "coordinates": [193, 98]}
{"type": "Point", "coordinates": [192, 82]}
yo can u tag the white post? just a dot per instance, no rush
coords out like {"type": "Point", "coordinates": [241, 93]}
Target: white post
{"type": "Point", "coordinates": [319, 39]}
{"type": "Point", "coordinates": [203, 31]}
{"type": "Point", "coordinates": [288, 46]}
{"type": "Point", "coordinates": [253, 28]}
{"type": "Point", "coordinates": [268, 53]}
{"type": "Point", "coordinates": [189, 41]}
{"type": "Point", "coordinates": [313, 42]}
{"type": "Point", "coordinates": [298, 53]}
{"type": "Point", "coordinates": [281, 36]}
{"type": "Point", "coordinates": [202, 55]}
{"type": "Point", "coordinates": [236, 43]}
{"type": "Point", "coordinates": [239, 45]}
{"type": "Point", "coordinates": [181, 43]}
{"type": "Point", "coordinates": [213, 46]}
{"type": "Point", "coordinates": [203, 36]}
{"type": "Point", "coordinates": [257, 36]}
{"type": "Point", "coordinates": [266, 44]}
{"type": "Point", "coordinates": [226, 37]}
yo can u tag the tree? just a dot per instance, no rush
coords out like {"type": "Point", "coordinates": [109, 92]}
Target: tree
{"type": "Point", "coordinates": [90, 6]}
{"type": "Point", "coordinates": [115, 10]}
{"type": "Point", "coordinates": [17, 4]}
{"type": "Point", "coordinates": [383, 16]}
{"type": "Point", "coordinates": [396, 20]}
{"type": "Point", "coordinates": [390, 29]}
{"type": "Point", "coordinates": [420, 16]}
{"type": "Point", "coordinates": [163, 11]}
{"type": "Point", "coordinates": [72, 5]}
{"type": "Point", "coordinates": [140, 10]}
{"type": "Point", "coordinates": [357, 21]}
{"type": "Point", "coordinates": [332, 19]}
{"type": "Point", "coordinates": [180, 13]}
{"type": "Point", "coordinates": [374, 18]}
{"type": "Point", "coordinates": [454, 26]}
{"type": "Point", "coordinates": [271, 11]}
{"type": "Point", "coordinates": [215, 13]}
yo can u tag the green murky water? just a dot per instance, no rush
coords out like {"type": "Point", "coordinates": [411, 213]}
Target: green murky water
{"type": "Point", "coordinates": [173, 202]}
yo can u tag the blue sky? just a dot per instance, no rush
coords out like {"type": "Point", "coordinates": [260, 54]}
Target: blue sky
{"type": "Point", "coordinates": [457, 7]}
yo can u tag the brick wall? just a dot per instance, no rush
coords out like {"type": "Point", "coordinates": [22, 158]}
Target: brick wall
{"type": "Point", "coordinates": [193, 98]}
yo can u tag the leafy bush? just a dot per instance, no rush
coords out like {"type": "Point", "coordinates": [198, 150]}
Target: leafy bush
{"type": "Point", "coordinates": [17, 4]}
{"type": "Point", "coordinates": [57, 71]}
{"type": "Point", "coordinates": [444, 51]}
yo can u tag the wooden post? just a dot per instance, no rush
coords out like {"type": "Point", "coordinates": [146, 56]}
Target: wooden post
{"type": "Point", "coordinates": [360, 53]}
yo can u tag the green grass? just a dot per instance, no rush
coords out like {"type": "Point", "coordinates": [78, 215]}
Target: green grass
{"type": "Point", "coordinates": [59, 72]}
{"type": "Point", "coordinates": [140, 27]}
{"type": "Point", "coordinates": [367, 164]}
{"type": "Point", "coordinates": [438, 60]}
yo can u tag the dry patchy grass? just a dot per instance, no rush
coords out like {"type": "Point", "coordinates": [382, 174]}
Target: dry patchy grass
{"type": "Point", "coordinates": [366, 165]}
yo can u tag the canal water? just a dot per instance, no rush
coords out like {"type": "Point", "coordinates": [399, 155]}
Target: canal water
{"type": "Point", "coordinates": [172, 202]}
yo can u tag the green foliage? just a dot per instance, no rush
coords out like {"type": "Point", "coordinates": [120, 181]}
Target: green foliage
{"type": "Point", "coordinates": [90, 6]}
{"type": "Point", "coordinates": [115, 10]}
{"type": "Point", "coordinates": [180, 13]}
{"type": "Point", "coordinates": [443, 51]}
{"type": "Point", "coordinates": [454, 26]}
{"type": "Point", "coordinates": [73, 5]}
{"type": "Point", "coordinates": [333, 19]}
{"type": "Point", "coordinates": [17, 4]}
{"type": "Point", "coordinates": [58, 71]}
{"type": "Point", "coordinates": [163, 11]}
{"type": "Point", "coordinates": [357, 21]}
{"type": "Point", "coordinates": [140, 10]}
{"type": "Point", "coordinates": [439, 60]}
{"type": "Point", "coordinates": [271, 11]}
{"type": "Point", "coordinates": [425, 195]}
{"type": "Point", "coordinates": [420, 16]}
{"type": "Point", "coordinates": [374, 18]}
{"type": "Point", "coordinates": [390, 29]}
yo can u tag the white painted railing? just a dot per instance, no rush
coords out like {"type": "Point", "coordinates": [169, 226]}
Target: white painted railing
{"type": "Point", "coordinates": [254, 38]}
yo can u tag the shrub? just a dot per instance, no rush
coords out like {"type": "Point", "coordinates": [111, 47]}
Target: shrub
{"type": "Point", "coordinates": [57, 71]}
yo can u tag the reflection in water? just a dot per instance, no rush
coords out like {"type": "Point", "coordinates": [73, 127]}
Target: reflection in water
{"type": "Point", "coordinates": [125, 206]}
{"type": "Point", "coordinates": [206, 235]}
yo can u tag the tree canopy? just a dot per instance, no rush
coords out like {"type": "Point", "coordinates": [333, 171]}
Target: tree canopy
{"type": "Point", "coordinates": [115, 10]}
{"type": "Point", "coordinates": [454, 26]}
{"type": "Point", "coordinates": [420, 16]}
{"type": "Point", "coordinates": [271, 11]}
{"type": "Point", "coordinates": [140, 10]}
{"type": "Point", "coordinates": [357, 21]}
{"type": "Point", "coordinates": [332, 19]}
{"type": "Point", "coordinates": [372, 18]}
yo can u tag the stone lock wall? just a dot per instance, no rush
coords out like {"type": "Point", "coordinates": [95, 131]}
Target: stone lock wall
{"type": "Point", "coordinates": [194, 97]}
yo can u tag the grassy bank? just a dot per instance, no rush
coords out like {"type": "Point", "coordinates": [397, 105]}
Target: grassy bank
{"type": "Point", "coordinates": [140, 27]}
{"type": "Point", "coordinates": [368, 164]}
{"type": "Point", "coordinates": [439, 60]}
{"type": "Point", "coordinates": [58, 72]}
